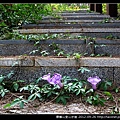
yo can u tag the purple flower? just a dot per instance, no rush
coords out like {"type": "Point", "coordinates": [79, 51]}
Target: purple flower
{"type": "Point", "coordinates": [94, 81]}
{"type": "Point", "coordinates": [56, 79]}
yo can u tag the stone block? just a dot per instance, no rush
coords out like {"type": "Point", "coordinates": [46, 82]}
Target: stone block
{"type": "Point", "coordinates": [47, 61]}
{"type": "Point", "coordinates": [100, 62]}
{"type": "Point", "coordinates": [74, 30]}
{"type": "Point", "coordinates": [17, 61]}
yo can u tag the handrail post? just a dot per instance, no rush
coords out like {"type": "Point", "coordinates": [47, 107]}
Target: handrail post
{"type": "Point", "coordinates": [92, 7]}
{"type": "Point", "coordinates": [98, 8]}
{"type": "Point", "coordinates": [112, 10]}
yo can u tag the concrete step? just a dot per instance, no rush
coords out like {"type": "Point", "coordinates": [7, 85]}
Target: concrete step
{"type": "Point", "coordinates": [81, 17]}
{"type": "Point", "coordinates": [78, 13]}
{"type": "Point", "coordinates": [64, 25]}
{"type": "Point", "coordinates": [98, 47]}
{"type": "Point", "coordinates": [59, 61]}
{"type": "Point", "coordinates": [68, 30]}
{"type": "Point", "coordinates": [101, 34]}
{"type": "Point", "coordinates": [31, 68]}
{"type": "Point", "coordinates": [76, 21]}
{"type": "Point", "coordinates": [78, 17]}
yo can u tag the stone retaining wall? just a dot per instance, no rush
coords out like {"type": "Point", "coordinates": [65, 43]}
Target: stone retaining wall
{"type": "Point", "coordinates": [33, 67]}
{"type": "Point", "coordinates": [22, 47]}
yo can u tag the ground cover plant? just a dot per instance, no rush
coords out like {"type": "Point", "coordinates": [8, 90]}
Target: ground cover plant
{"type": "Point", "coordinates": [60, 90]}
{"type": "Point", "coordinates": [14, 15]}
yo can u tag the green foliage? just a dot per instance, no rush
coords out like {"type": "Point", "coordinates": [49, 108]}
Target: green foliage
{"type": "Point", "coordinates": [16, 84]}
{"type": "Point", "coordinates": [109, 95]}
{"type": "Point", "coordinates": [49, 90]}
{"type": "Point", "coordinates": [104, 8]}
{"type": "Point", "coordinates": [95, 100]}
{"type": "Point", "coordinates": [78, 88]}
{"type": "Point", "coordinates": [71, 86]}
{"type": "Point", "coordinates": [77, 55]}
{"type": "Point", "coordinates": [62, 98]}
{"type": "Point", "coordinates": [15, 15]}
{"type": "Point", "coordinates": [65, 7]}
{"type": "Point", "coordinates": [30, 88]}
{"type": "Point", "coordinates": [18, 100]}
{"type": "Point", "coordinates": [83, 69]}
{"type": "Point", "coordinates": [104, 85]}
{"type": "Point", "coordinates": [18, 14]}
{"type": "Point", "coordinates": [3, 91]}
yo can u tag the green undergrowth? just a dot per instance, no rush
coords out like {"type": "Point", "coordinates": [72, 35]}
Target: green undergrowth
{"type": "Point", "coordinates": [45, 92]}
{"type": "Point", "coordinates": [13, 16]}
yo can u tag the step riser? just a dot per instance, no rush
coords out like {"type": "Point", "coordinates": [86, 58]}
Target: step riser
{"type": "Point", "coordinates": [37, 61]}
{"type": "Point", "coordinates": [76, 21]}
{"type": "Point", "coordinates": [98, 35]}
{"type": "Point", "coordinates": [79, 13]}
{"type": "Point", "coordinates": [74, 30]}
{"type": "Point", "coordinates": [105, 68]}
{"type": "Point", "coordinates": [21, 47]}
{"type": "Point", "coordinates": [78, 16]}
{"type": "Point", "coordinates": [86, 25]}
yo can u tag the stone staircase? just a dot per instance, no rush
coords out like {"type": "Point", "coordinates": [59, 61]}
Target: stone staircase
{"type": "Point", "coordinates": [96, 36]}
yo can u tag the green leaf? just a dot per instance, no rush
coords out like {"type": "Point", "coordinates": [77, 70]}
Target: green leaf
{"type": "Point", "coordinates": [117, 90]}
{"type": "Point", "coordinates": [102, 101]}
{"type": "Point", "coordinates": [24, 88]}
{"type": "Point", "coordinates": [78, 92]}
{"type": "Point", "coordinates": [7, 105]}
{"type": "Point", "coordinates": [37, 81]}
{"type": "Point", "coordinates": [10, 74]}
{"type": "Point", "coordinates": [90, 90]}
{"type": "Point", "coordinates": [1, 78]}
{"type": "Point", "coordinates": [3, 94]}
{"type": "Point", "coordinates": [38, 95]}
{"type": "Point", "coordinates": [63, 100]}
{"type": "Point", "coordinates": [107, 93]}
{"type": "Point", "coordinates": [89, 99]}
{"type": "Point", "coordinates": [109, 83]}
{"type": "Point", "coordinates": [82, 90]}
{"type": "Point", "coordinates": [15, 63]}
{"type": "Point", "coordinates": [21, 104]}
{"type": "Point", "coordinates": [15, 86]}
{"type": "Point", "coordinates": [58, 99]}
{"type": "Point", "coordinates": [16, 101]}
{"type": "Point", "coordinates": [20, 81]}
{"type": "Point", "coordinates": [31, 96]}
{"type": "Point", "coordinates": [2, 24]}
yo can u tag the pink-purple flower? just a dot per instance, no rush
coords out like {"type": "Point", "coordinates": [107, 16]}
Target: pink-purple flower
{"type": "Point", "coordinates": [94, 81]}
{"type": "Point", "coordinates": [55, 79]}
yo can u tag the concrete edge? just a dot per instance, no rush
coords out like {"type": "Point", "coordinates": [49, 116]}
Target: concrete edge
{"type": "Point", "coordinates": [16, 61]}
{"type": "Point", "coordinates": [37, 61]}
{"type": "Point", "coordinates": [75, 21]}
{"type": "Point", "coordinates": [65, 30]}
{"type": "Point", "coordinates": [63, 25]}
{"type": "Point", "coordinates": [62, 41]}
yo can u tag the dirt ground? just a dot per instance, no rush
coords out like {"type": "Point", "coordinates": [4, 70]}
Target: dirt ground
{"type": "Point", "coordinates": [73, 106]}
